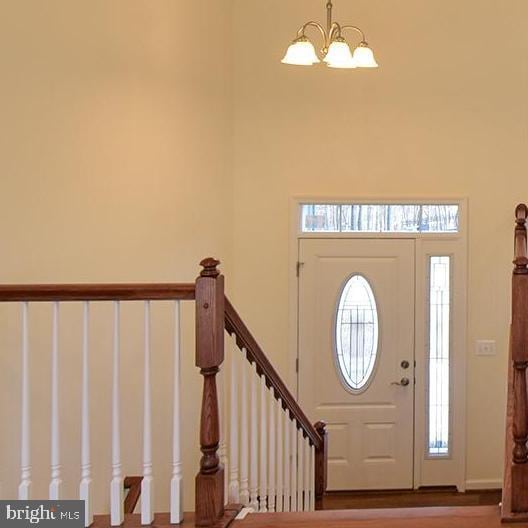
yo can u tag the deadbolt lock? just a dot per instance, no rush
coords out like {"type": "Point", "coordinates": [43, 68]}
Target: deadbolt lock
{"type": "Point", "coordinates": [405, 364]}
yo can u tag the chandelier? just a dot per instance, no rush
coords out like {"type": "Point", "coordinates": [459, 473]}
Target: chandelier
{"type": "Point", "coordinates": [335, 52]}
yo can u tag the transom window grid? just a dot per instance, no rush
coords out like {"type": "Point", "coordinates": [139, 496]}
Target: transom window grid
{"type": "Point", "coordinates": [379, 218]}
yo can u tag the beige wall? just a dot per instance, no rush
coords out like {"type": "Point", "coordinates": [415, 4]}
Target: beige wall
{"type": "Point", "coordinates": [115, 163]}
{"type": "Point", "coordinates": [444, 116]}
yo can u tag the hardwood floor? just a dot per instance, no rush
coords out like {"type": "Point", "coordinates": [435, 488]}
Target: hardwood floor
{"type": "Point", "coordinates": [429, 508]}
{"type": "Point", "coordinates": [444, 517]}
{"type": "Point", "coordinates": [440, 517]}
{"type": "Point", "coordinates": [428, 497]}
{"type": "Point", "coordinates": [162, 520]}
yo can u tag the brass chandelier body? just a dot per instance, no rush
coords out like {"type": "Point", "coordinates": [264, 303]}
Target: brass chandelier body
{"type": "Point", "coordinates": [335, 51]}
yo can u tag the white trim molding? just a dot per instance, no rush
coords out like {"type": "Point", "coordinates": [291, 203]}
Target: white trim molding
{"type": "Point", "coordinates": [483, 484]}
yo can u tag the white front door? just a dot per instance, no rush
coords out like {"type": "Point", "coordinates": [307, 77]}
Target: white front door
{"type": "Point", "coordinates": [356, 357]}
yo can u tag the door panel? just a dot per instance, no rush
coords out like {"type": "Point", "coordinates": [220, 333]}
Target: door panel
{"type": "Point", "coordinates": [371, 428]}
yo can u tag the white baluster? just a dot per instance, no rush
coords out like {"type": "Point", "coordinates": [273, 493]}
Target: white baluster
{"type": "Point", "coordinates": [279, 443]}
{"type": "Point", "coordinates": [116, 486]}
{"type": "Point", "coordinates": [253, 442]}
{"type": "Point", "coordinates": [293, 476]}
{"type": "Point", "coordinates": [312, 478]}
{"type": "Point", "coordinates": [85, 486]}
{"type": "Point", "coordinates": [24, 487]}
{"type": "Point", "coordinates": [234, 486]}
{"type": "Point", "coordinates": [300, 469]}
{"type": "Point", "coordinates": [271, 449]}
{"type": "Point", "coordinates": [147, 484]}
{"type": "Point", "coordinates": [55, 484]}
{"type": "Point", "coordinates": [306, 471]}
{"type": "Point", "coordinates": [286, 439]}
{"type": "Point", "coordinates": [176, 487]}
{"type": "Point", "coordinates": [244, 450]}
{"type": "Point", "coordinates": [222, 448]}
{"type": "Point", "coordinates": [263, 473]}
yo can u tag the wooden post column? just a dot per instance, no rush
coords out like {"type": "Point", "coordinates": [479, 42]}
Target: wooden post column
{"type": "Point", "coordinates": [321, 465]}
{"type": "Point", "coordinates": [519, 343]}
{"type": "Point", "coordinates": [209, 357]}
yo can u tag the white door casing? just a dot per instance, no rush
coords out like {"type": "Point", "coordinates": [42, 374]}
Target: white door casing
{"type": "Point", "coordinates": [371, 431]}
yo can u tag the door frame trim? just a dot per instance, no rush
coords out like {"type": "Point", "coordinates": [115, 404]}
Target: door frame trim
{"type": "Point", "coordinates": [427, 471]}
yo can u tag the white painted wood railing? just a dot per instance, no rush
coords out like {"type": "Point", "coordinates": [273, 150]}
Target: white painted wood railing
{"type": "Point", "coordinates": [176, 487]}
{"type": "Point", "coordinates": [270, 462]}
{"type": "Point", "coordinates": [147, 484]}
{"type": "Point", "coordinates": [85, 486]}
{"type": "Point", "coordinates": [277, 459]}
{"type": "Point", "coordinates": [87, 295]}
{"type": "Point", "coordinates": [251, 425]}
{"type": "Point", "coordinates": [117, 484]}
{"type": "Point", "coordinates": [24, 489]}
{"type": "Point", "coordinates": [55, 483]}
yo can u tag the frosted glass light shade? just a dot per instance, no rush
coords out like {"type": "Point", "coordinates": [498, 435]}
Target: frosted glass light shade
{"type": "Point", "coordinates": [364, 57]}
{"type": "Point", "coordinates": [301, 52]}
{"type": "Point", "coordinates": [339, 55]}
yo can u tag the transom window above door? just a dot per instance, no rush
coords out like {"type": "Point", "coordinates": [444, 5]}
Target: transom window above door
{"type": "Point", "coordinates": [379, 218]}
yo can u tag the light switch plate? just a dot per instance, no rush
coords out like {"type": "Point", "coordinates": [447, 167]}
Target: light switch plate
{"type": "Point", "coordinates": [486, 348]}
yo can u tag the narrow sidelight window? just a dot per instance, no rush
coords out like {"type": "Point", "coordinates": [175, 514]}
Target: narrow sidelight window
{"type": "Point", "coordinates": [439, 352]}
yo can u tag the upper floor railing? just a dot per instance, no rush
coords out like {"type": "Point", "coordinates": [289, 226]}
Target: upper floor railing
{"type": "Point", "coordinates": [274, 458]}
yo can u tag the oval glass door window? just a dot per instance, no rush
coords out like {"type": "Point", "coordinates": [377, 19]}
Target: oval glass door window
{"type": "Point", "coordinates": [356, 333]}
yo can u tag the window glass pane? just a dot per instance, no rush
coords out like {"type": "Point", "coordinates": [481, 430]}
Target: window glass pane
{"type": "Point", "coordinates": [371, 218]}
{"type": "Point", "coordinates": [362, 218]}
{"type": "Point", "coordinates": [439, 218]}
{"type": "Point", "coordinates": [380, 218]}
{"type": "Point", "coordinates": [403, 218]}
{"type": "Point", "coordinates": [320, 217]}
{"type": "Point", "coordinates": [439, 348]}
{"type": "Point", "coordinates": [356, 333]}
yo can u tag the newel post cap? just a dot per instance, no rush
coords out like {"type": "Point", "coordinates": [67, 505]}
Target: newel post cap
{"type": "Point", "coordinates": [521, 213]}
{"type": "Point", "coordinates": [210, 269]}
{"type": "Point", "coordinates": [320, 427]}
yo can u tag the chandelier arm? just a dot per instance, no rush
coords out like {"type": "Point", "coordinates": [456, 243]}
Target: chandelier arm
{"type": "Point", "coordinates": [335, 29]}
{"type": "Point", "coordinates": [302, 30]}
{"type": "Point", "coordinates": [355, 28]}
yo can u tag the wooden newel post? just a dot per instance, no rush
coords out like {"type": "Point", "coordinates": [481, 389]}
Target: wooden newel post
{"type": "Point", "coordinates": [209, 357]}
{"type": "Point", "coordinates": [520, 251]}
{"type": "Point", "coordinates": [321, 464]}
{"type": "Point", "coordinates": [519, 344]}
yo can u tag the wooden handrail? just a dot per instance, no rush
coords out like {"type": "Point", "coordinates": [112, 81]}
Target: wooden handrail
{"type": "Point", "coordinates": [244, 338]}
{"type": "Point", "coordinates": [96, 292]}
{"type": "Point", "coordinates": [214, 314]}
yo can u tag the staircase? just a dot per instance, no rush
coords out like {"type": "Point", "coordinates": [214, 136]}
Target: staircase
{"type": "Point", "coordinates": [259, 449]}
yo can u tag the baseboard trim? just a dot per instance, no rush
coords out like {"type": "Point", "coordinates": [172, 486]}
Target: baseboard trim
{"type": "Point", "coordinates": [483, 484]}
